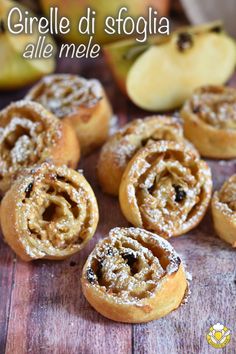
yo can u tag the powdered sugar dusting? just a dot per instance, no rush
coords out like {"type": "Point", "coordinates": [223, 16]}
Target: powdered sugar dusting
{"type": "Point", "coordinates": [57, 211]}
{"type": "Point", "coordinates": [156, 173]}
{"type": "Point", "coordinates": [130, 138]}
{"type": "Point", "coordinates": [63, 94]}
{"type": "Point", "coordinates": [27, 134]}
{"type": "Point", "coordinates": [225, 199]}
{"type": "Point", "coordinates": [131, 264]}
{"type": "Point", "coordinates": [216, 106]}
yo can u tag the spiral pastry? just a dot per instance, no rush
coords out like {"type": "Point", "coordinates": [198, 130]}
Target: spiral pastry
{"type": "Point", "coordinates": [224, 211]}
{"type": "Point", "coordinates": [53, 213]}
{"type": "Point", "coordinates": [134, 276]}
{"type": "Point", "coordinates": [210, 121]}
{"type": "Point", "coordinates": [30, 135]}
{"type": "Point", "coordinates": [165, 188]}
{"type": "Point", "coordinates": [83, 103]}
{"type": "Point", "coordinates": [122, 146]}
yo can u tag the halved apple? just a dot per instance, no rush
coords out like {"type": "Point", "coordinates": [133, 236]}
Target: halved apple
{"type": "Point", "coordinates": [120, 61]}
{"type": "Point", "coordinates": [121, 55]}
{"type": "Point", "coordinates": [15, 70]}
{"type": "Point", "coordinates": [165, 75]}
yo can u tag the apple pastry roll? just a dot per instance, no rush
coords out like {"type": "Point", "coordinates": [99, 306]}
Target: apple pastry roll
{"type": "Point", "coordinates": [210, 121]}
{"type": "Point", "coordinates": [83, 103]}
{"type": "Point", "coordinates": [53, 213]}
{"type": "Point", "coordinates": [29, 135]}
{"type": "Point", "coordinates": [224, 211]}
{"type": "Point", "coordinates": [165, 188]}
{"type": "Point", "coordinates": [122, 146]}
{"type": "Point", "coordinates": [134, 276]}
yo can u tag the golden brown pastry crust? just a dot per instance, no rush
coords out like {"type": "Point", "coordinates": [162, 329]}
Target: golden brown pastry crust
{"type": "Point", "coordinates": [224, 211]}
{"type": "Point", "coordinates": [210, 121]}
{"type": "Point", "coordinates": [134, 276]}
{"type": "Point", "coordinates": [29, 134]}
{"type": "Point", "coordinates": [83, 103]}
{"type": "Point", "coordinates": [53, 213]}
{"type": "Point", "coordinates": [165, 188]}
{"type": "Point", "coordinates": [122, 146]}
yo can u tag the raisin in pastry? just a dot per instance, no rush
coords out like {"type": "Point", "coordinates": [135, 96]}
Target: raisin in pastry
{"type": "Point", "coordinates": [122, 146]}
{"type": "Point", "coordinates": [53, 213]}
{"type": "Point", "coordinates": [134, 276]}
{"type": "Point", "coordinates": [165, 188]}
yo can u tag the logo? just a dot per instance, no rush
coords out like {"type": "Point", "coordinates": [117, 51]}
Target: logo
{"type": "Point", "coordinates": [218, 336]}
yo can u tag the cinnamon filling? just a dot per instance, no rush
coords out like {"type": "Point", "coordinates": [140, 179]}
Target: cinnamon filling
{"type": "Point", "coordinates": [128, 267]}
{"type": "Point", "coordinates": [56, 211]}
{"type": "Point", "coordinates": [227, 194]}
{"type": "Point", "coordinates": [23, 141]}
{"type": "Point", "coordinates": [62, 95]}
{"type": "Point", "coordinates": [169, 191]}
{"type": "Point", "coordinates": [216, 106]}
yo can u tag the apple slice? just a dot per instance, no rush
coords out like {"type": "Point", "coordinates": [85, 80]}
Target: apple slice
{"type": "Point", "coordinates": [165, 75]}
{"type": "Point", "coordinates": [121, 55]}
{"type": "Point", "coordinates": [119, 60]}
{"type": "Point", "coordinates": [15, 70]}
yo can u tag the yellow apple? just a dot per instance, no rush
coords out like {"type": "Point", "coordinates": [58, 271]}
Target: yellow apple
{"type": "Point", "coordinates": [121, 55]}
{"type": "Point", "coordinates": [165, 75]}
{"type": "Point", "coordinates": [118, 61]}
{"type": "Point", "coordinates": [75, 9]}
{"type": "Point", "coordinates": [15, 70]}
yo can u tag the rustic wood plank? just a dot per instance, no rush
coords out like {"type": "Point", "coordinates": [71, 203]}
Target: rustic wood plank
{"type": "Point", "coordinates": [7, 266]}
{"type": "Point", "coordinates": [7, 258]}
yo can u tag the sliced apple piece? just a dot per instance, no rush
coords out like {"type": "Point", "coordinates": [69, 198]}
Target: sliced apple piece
{"type": "Point", "coordinates": [15, 70]}
{"type": "Point", "coordinates": [121, 55]}
{"type": "Point", "coordinates": [165, 75]}
{"type": "Point", "coordinates": [119, 60]}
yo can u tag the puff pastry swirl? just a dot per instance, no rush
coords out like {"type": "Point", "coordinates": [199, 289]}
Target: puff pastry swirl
{"type": "Point", "coordinates": [53, 213]}
{"type": "Point", "coordinates": [210, 121]}
{"type": "Point", "coordinates": [134, 276]}
{"type": "Point", "coordinates": [165, 188]}
{"type": "Point", "coordinates": [122, 146]}
{"type": "Point", "coordinates": [224, 211]}
{"type": "Point", "coordinates": [83, 103]}
{"type": "Point", "coordinates": [29, 134]}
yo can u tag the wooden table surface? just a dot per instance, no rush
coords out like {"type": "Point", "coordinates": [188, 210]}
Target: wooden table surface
{"type": "Point", "coordinates": [42, 309]}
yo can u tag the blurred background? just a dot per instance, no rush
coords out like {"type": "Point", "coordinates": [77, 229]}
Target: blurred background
{"type": "Point", "coordinates": [18, 73]}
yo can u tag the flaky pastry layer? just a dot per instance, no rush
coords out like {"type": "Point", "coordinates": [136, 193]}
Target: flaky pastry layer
{"type": "Point", "coordinates": [210, 121]}
{"type": "Point", "coordinates": [224, 211]}
{"type": "Point", "coordinates": [122, 146]}
{"type": "Point", "coordinates": [134, 276]}
{"type": "Point", "coordinates": [29, 135]}
{"type": "Point", "coordinates": [52, 211]}
{"type": "Point", "coordinates": [82, 103]}
{"type": "Point", "coordinates": [165, 188]}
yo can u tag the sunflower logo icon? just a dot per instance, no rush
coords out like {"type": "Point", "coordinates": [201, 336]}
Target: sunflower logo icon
{"type": "Point", "coordinates": [218, 336]}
